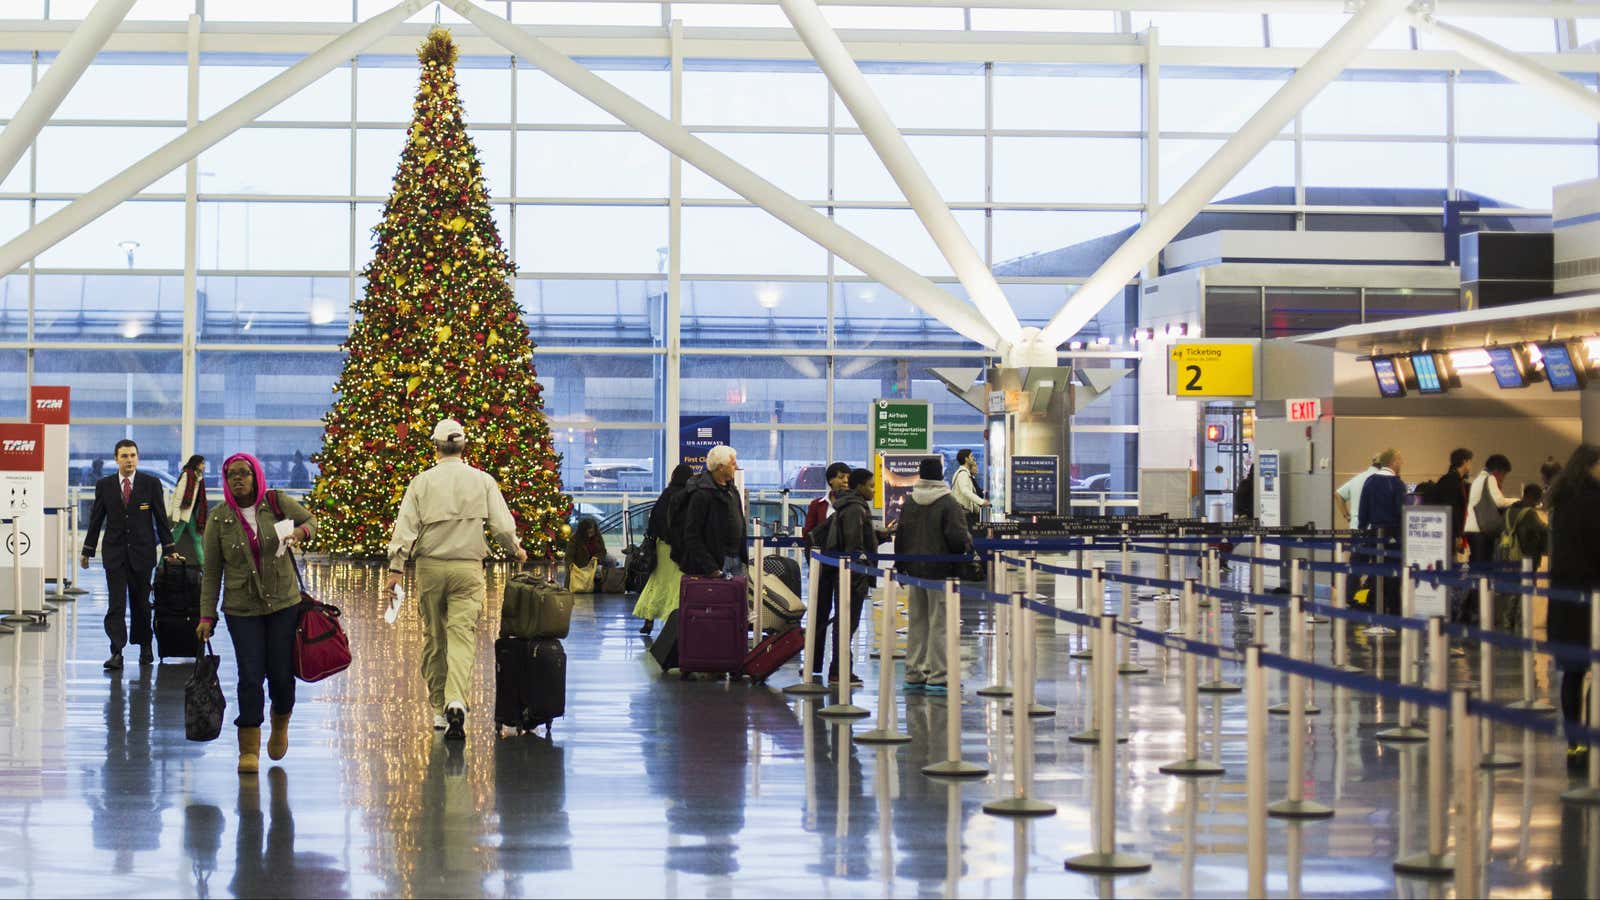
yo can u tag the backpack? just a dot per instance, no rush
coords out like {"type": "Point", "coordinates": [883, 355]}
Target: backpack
{"type": "Point", "coordinates": [1428, 493]}
{"type": "Point", "coordinates": [1508, 548]}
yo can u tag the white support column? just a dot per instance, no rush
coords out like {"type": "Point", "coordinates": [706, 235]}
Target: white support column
{"type": "Point", "coordinates": [891, 147]}
{"type": "Point", "coordinates": [919, 291]}
{"type": "Point", "coordinates": [87, 38]}
{"type": "Point", "coordinates": [674, 324]}
{"type": "Point", "coordinates": [191, 143]}
{"type": "Point", "coordinates": [191, 245]}
{"type": "Point", "coordinates": [1511, 64]}
{"type": "Point", "coordinates": [1152, 131]}
{"type": "Point", "coordinates": [1163, 225]}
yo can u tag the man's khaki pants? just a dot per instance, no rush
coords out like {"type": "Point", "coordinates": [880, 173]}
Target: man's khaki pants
{"type": "Point", "coordinates": [449, 596]}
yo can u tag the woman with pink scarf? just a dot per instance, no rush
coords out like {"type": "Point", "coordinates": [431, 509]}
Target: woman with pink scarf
{"type": "Point", "coordinates": [260, 594]}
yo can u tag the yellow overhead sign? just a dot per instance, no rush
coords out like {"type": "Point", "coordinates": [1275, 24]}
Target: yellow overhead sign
{"type": "Point", "coordinates": [1202, 370]}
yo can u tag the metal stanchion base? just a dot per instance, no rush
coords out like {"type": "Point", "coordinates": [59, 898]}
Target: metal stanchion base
{"type": "Point", "coordinates": [995, 690]}
{"type": "Point", "coordinates": [1131, 668]}
{"type": "Point", "coordinates": [843, 711]}
{"type": "Point", "coordinates": [1498, 761]}
{"type": "Point", "coordinates": [882, 736]}
{"type": "Point", "coordinates": [1348, 668]}
{"type": "Point", "coordinates": [1081, 654]}
{"type": "Point", "coordinates": [1299, 809]}
{"type": "Point", "coordinates": [954, 768]}
{"type": "Point", "coordinates": [1282, 709]}
{"type": "Point", "coordinates": [1427, 865]}
{"type": "Point", "coordinates": [1378, 631]}
{"type": "Point", "coordinates": [1109, 863]}
{"type": "Point", "coordinates": [1219, 687]}
{"type": "Point", "coordinates": [1092, 736]}
{"type": "Point", "coordinates": [17, 619]}
{"type": "Point", "coordinates": [1019, 806]}
{"type": "Point", "coordinates": [1583, 796]}
{"type": "Point", "coordinates": [1403, 734]}
{"type": "Point", "coordinates": [1192, 768]}
{"type": "Point", "coordinates": [898, 654]}
{"type": "Point", "coordinates": [806, 688]}
{"type": "Point", "coordinates": [75, 590]}
{"type": "Point", "coordinates": [1036, 711]}
{"type": "Point", "coordinates": [1317, 620]}
{"type": "Point", "coordinates": [1535, 706]}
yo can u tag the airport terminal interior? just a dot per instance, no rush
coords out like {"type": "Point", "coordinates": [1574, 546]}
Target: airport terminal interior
{"type": "Point", "coordinates": [1257, 342]}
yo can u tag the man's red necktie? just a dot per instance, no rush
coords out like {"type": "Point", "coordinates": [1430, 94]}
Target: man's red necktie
{"type": "Point", "coordinates": [127, 490]}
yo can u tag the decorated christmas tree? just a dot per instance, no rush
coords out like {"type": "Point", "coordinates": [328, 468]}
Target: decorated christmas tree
{"type": "Point", "coordinates": [438, 334]}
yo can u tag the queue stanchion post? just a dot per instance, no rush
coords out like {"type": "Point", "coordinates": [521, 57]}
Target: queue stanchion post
{"type": "Point", "coordinates": [1491, 759]}
{"type": "Point", "coordinates": [1216, 684]}
{"type": "Point", "coordinates": [1295, 806]}
{"type": "Point", "coordinates": [1104, 859]}
{"type": "Point", "coordinates": [1023, 636]}
{"type": "Point", "coordinates": [1082, 643]}
{"type": "Point", "coordinates": [1000, 647]}
{"type": "Point", "coordinates": [1589, 793]}
{"type": "Point", "coordinates": [1434, 862]}
{"type": "Point", "coordinates": [72, 543]}
{"type": "Point", "coordinates": [1130, 602]}
{"type": "Point", "coordinates": [1020, 803]}
{"type": "Point", "coordinates": [1302, 573]}
{"type": "Point", "coordinates": [1125, 664]}
{"type": "Point", "coordinates": [888, 731]}
{"type": "Point", "coordinates": [953, 765]}
{"type": "Point", "coordinates": [17, 617]}
{"type": "Point", "coordinates": [1341, 628]}
{"type": "Point", "coordinates": [1297, 685]}
{"type": "Point", "coordinates": [1255, 774]}
{"type": "Point", "coordinates": [1191, 765]}
{"type": "Point", "coordinates": [1101, 719]}
{"type": "Point", "coordinates": [757, 584]}
{"type": "Point", "coordinates": [61, 594]}
{"type": "Point", "coordinates": [1210, 575]}
{"type": "Point", "coordinates": [843, 708]}
{"type": "Point", "coordinates": [1405, 729]}
{"type": "Point", "coordinates": [807, 684]}
{"type": "Point", "coordinates": [1097, 596]}
{"type": "Point", "coordinates": [1168, 598]}
{"type": "Point", "coordinates": [1469, 877]}
{"type": "Point", "coordinates": [1529, 701]}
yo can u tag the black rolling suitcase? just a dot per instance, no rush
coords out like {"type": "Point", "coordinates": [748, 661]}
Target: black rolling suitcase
{"type": "Point", "coordinates": [664, 649]}
{"type": "Point", "coordinates": [176, 609]}
{"type": "Point", "coordinates": [530, 682]}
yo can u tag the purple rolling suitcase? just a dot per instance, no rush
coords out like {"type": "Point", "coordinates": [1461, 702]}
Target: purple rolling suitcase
{"type": "Point", "coordinates": [713, 621]}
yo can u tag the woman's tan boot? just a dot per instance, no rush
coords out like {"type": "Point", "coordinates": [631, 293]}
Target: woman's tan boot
{"type": "Point", "coordinates": [249, 751]}
{"type": "Point", "coordinates": [278, 743]}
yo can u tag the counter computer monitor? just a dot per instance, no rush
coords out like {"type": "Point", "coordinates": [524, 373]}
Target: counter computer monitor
{"type": "Point", "coordinates": [1391, 379]}
{"type": "Point", "coordinates": [1432, 372]}
{"type": "Point", "coordinates": [1510, 364]}
{"type": "Point", "coordinates": [1565, 366]}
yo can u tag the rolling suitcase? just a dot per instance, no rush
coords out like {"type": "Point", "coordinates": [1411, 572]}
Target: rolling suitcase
{"type": "Point", "coordinates": [176, 609]}
{"type": "Point", "coordinates": [770, 655]}
{"type": "Point", "coordinates": [530, 682]}
{"type": "Point", "coordinates": [781, 606]}
{"type": "Point", "coordinates": [712, 624]}
{"type": "Point", "coordinates": [664, 648]}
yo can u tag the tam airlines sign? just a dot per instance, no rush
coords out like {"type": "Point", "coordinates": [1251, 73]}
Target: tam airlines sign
{"type": "Point", "coordinates": [49, 405]}
{"type": "Point", "coordinates": [21, 448]}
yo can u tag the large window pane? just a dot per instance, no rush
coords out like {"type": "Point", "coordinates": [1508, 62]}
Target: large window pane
{"type": "Point", "coordinates": [1403, 303]}
{"type": "Point", "coordinates": [295, 236]}
{"type": "Point", "coordinates": [114, 89]}
{"type": "Point", "coordinates": [142, 308]}
{"type": "Point", "coordinates": [790, 161]}
{"type": "Point", "coordinates": [1233, 312]}
{"type": "Point", "coordinates": [733, 241]}
{"type": "Point", "coordinates": [586, 389]}
{"type": "Point", "coordinates": [933, 100]}
{"type": "Point", "coordinates": [13, 381]}
{"type": "Point", "coordinates": [325, 100]}
{"type": "Point", "coordinates": [386, 87]}
{"type": "Point", "coordinates": [1314, 29]}
{"type": "Point", "coordinates": [922, 18]}
{"type": "Point", "coordinates": [755, 98]}
{"type": "Point", "coordinates": [13, 218]}
{"type": "Point", "coordinates": [90, 444]}
{"type": "Point", "coordinates": [870, 316]}
{"type": "Point", "coordinates": [772, 458]}
{"type": "Point", "coordinates": [1204, 29]}
{"type": "Point", "coordinates": [16, 82]}
{"type": "Point", "coordinates": [1522, 176]}
{"type": "Point", "coordinates": [1067, 170]}
{"type": "Point", "coordinates": [542, 100]}
{"type": "Point", "coordinates": [277, 11]}
{"type": "Point", "coordinates": [1043, 20]}
{"type": "Point", "coordinates": [769, 389]}
{"type": "Point", "coordinates": [593, 239]}
{"type": "Point", "coordinates": [899, 233]}
{"type": "Point", "coordinates": [1296, 311]}
{"type": "Point", "coordinates": [13, 309]}
{"type": "Point", "coordinates": [278, 448]}
{"type": "Point", "coordinates": [1364, 164]}
{"type": "Point", "coordinates": [555, 12]}
{"type": "Point", "coordinates": [590, 164]}
{"type": "Point", "coordinates": [593, 312]}
{"type": "Point", "coordinates": [1363, 104]}
{"type": "Point", "coordinates": [1267, 178]}
{"type": "Point", "coordinates": [267, 385]}
{"type": "Point", "coordinates": [250, 309]}
{"type": "Point", "coordinates": [75, 159]}
{"type": "Point", "coordinates": [860, 381]}
{"type": "Point", "coordinates": [1492, 108]}
{"type": "Point", "coordinates": [1104, 462]}
{"type": "Point", "coordinates": [769, 314]}
{"type": "Point", "coordinates": [1192, 101]}
{"type": "Point", "coordinates": [1066, 98]}
{"type": "Point", "coordinates": [1056, 244]}
{"type": "Point", "coordinates": [303, 161]}
{"type": "Point", "coordinates": [116, 384]}
{"type": "Point", "coordinates": [1525, 34]}
{"type": "Point", "coordinates": [608, 459]}
{"type": "Point", "coordinates": [137, 234]}
{"type": "Point", "coordinates": [730, 15]}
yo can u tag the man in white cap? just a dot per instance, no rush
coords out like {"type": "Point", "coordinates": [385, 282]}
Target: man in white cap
{"type": "Point", "coordinates": [440, 528]}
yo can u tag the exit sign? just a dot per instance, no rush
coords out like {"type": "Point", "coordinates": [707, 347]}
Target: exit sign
{"type": "Point", "coordinates": [1304, 410]}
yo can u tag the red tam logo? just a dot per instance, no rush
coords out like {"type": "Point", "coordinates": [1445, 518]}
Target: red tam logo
{"type": "Point", "coordinates": [19, 446]}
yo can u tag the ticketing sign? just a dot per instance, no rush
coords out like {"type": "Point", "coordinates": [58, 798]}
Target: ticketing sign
{"type": "Point", "coordinates": [1207, 369]}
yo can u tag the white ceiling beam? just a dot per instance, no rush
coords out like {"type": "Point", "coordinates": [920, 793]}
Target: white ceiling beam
{"type": "Point", "coordinates": [962, 317]}
{"type": "Point", "coordinates": [64, 72]}
{"type": "Point", "coordinates": [191, 143]}
{"type": "Point", "coordinates": [1515, 66]}
{"type": "Point", "coordinates": [1110, 279]}
{"type": "Point", "coordinates": [892, 148]}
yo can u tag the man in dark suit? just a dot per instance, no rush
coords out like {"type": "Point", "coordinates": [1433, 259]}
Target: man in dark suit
{"type": "Point", "coordinates": [133, 511]}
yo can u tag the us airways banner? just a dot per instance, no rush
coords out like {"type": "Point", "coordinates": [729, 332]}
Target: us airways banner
{"type": "Point", "coordinates": [697, 435]}
{"type": "Point", "coordinates": [22, 456]}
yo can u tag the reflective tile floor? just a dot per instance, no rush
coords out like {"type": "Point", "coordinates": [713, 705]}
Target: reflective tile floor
{"type": "Point", "coordinates": [663, 787]}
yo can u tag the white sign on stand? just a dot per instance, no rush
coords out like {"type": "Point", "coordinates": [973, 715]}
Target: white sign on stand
{"type": "Point", "coordinates": [1269, 496]}
{"type": "Point", "coordinates": [1426, 545]}
{"type": "Point", "coordinates": [22, 498]}
{"type": "Point", "coordinates": [51, 406]}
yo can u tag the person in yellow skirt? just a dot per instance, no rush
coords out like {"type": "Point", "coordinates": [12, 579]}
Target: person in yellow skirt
{"type": "Point", "coordinates": [660, 595]}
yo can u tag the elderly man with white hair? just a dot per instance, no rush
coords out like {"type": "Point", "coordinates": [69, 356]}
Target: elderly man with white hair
{"type": "Point", "coordinates": [711, 532]}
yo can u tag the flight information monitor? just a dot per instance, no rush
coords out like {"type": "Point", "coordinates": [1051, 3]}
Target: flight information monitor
{"type": "Point", "coordinates": [1432, 378]}
{"type": "Point", "coordinates": [1564, 366]}
{"type": "Point", "coordinates": [1391, 383]}
{"type": "Point", "coordinates": [1510, 366]}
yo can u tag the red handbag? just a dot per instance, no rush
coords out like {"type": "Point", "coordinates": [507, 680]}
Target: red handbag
{"type": "Point", "coordinates": [320, 646]}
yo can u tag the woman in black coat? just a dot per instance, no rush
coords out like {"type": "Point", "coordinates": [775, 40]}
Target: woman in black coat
{"type": "Point", "coordinates": [1574, 565]}
{"type": "Point", "coordinates": [660, 594]}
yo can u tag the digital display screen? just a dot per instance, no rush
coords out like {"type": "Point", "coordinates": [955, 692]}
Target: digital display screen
{"type": "Point", "coordinates": [1510, 366]}
{"type": "Point", "coordinates": [1429, 379]}
{"type": "Point", "coordinates": [1390, 384]}
{"type": "Point", "coordinates": [1560, 368]}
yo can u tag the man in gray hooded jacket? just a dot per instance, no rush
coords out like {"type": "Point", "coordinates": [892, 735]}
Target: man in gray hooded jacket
{"type": "Point", "coordinates": [931, 523]}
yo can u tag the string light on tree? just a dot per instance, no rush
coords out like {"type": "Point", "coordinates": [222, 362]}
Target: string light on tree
{"type": "Point", "coordinates": [438, 334]}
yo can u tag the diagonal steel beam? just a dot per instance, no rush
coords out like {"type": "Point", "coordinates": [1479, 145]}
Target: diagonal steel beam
{"type": "Point", "coordinates": [1165, 223]}
{"type": "Point", "coordinates": [891, 147]}
{"type": "Point", "coordinates": [1511, 64]}
{"type": "Point", "coordinates": [87, 39]}
{"type": "Point", "coordinates": [896, 276]}
{"type": "Point", "coordinates": [191, 143]}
